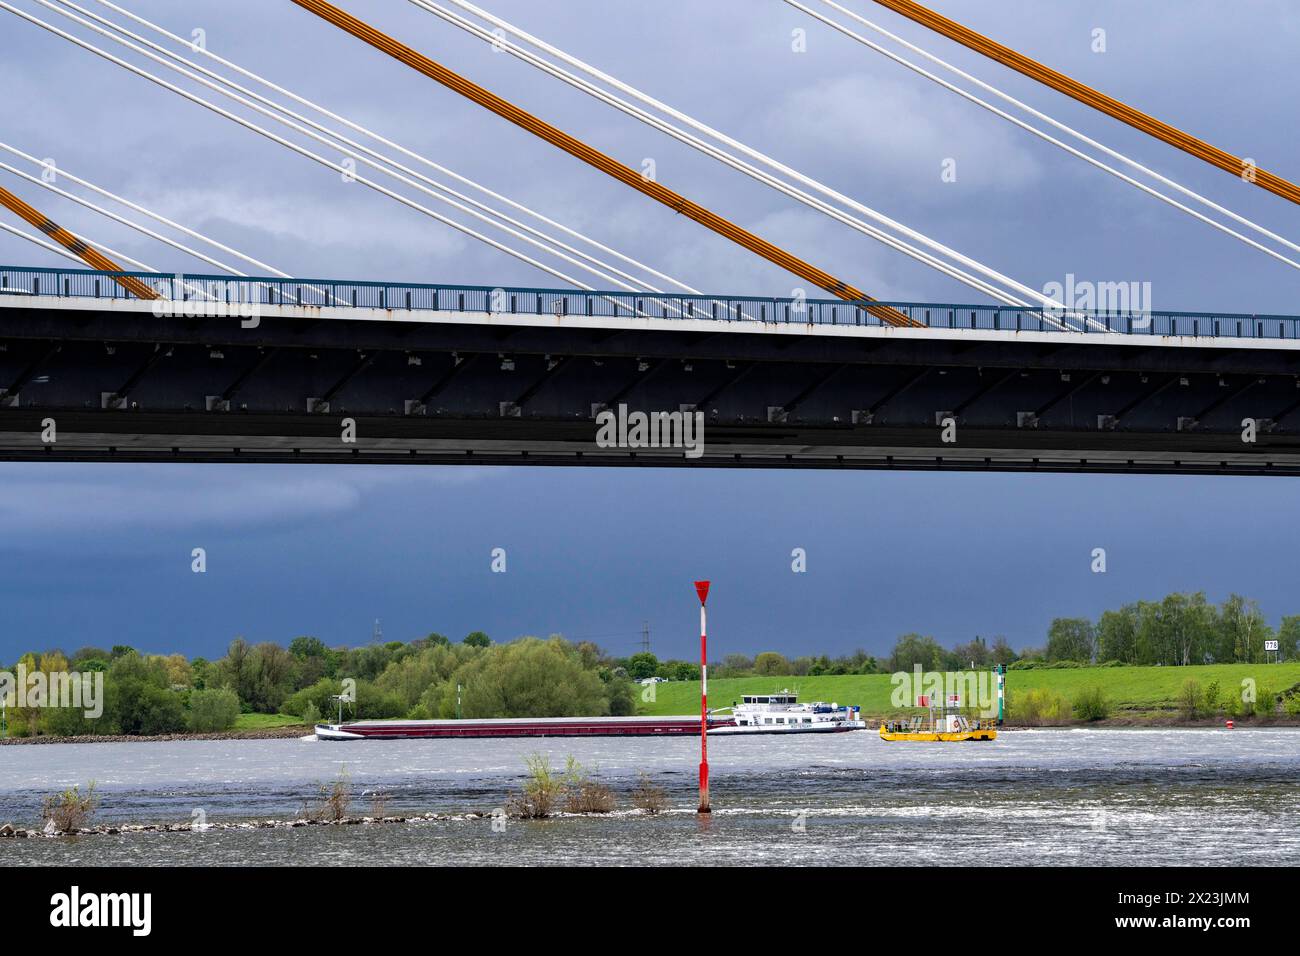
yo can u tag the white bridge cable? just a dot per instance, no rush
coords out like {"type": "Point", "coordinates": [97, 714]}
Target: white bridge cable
{"type": "Point", "coordinates": [1082, 137]}
{"type": "Point", "coordinates": [295, 147]}
{"type": "Point", "coordinates": [108, 250]}
{"type": "Point", "coordinates": [729, 160]}
{"type": "Point", "coordinates": [59, 250]}
{"type": "Point", "coordinates": [122, 220]}
{"type": "Point", "coordinates": [1067, 147]}
{"type": "Point", "coordinates": [720, 155]}
{"type": "Point", "coordinates": [695, 142]}
{"type": "Point", "coordinates": [390, 144]}
{"type": "Point", "coordinates": [327, 141]}
{"type": "Point", "coordinates": [633, 283]}
{"type": "Point", "coordinates": [131, 224]}
{"type": "Point", "coordinates": [921, 255]}
{"type": "Point", "coordinates": [335, 138]}
{"type": "Point", "coordinates": [141, 209]}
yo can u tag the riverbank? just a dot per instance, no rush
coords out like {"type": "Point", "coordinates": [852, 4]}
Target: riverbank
{"type": "Point", "coordinates": [1170, 721]}
{"type": "Point", "coordinates": [266, 733]}
{"type": "Point", "coordinates": [1135, 696]}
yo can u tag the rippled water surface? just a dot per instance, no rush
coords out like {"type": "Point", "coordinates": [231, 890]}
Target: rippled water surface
{"type": "Point", "coordinates": [1111, 797]}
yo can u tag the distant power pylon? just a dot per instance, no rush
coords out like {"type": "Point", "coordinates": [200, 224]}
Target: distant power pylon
{"type": "Point", "coordinates": [377, 636]}
{"type": "Point", "coordinates": [645, 637]}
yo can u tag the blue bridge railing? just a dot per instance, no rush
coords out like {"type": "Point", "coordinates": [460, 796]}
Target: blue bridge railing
{"type": "Point", "coordinates": [84, 283]}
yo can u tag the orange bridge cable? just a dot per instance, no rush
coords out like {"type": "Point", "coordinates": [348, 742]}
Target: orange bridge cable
{"type": "Point", "coordinates": [87, 253]}
{"type": "Point", "coordinates": [593, 157]}
{"type": "Point", "coordinates": [967, 37]}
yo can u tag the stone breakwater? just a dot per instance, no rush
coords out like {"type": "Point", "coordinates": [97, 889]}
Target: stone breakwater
{"type": "Point", "coordinates": [7, 831]}
{"type": "Point", "coordinates": [266, 733]}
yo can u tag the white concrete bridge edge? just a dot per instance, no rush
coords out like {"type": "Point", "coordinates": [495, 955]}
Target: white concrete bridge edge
{"type": "Point", "coordinates": [11, 300]}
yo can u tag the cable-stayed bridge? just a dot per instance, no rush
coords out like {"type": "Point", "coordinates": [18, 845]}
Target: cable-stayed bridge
{"type": "Point", "coordinates": [447, 374]}
{"type": "Point", "coordinates": [124, 362]}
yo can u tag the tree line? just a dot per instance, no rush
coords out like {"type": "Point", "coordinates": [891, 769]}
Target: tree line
{"type": "Point", "coordinates": [1180, 629]}
{"type": "Point", "coordinates": [432, 677]}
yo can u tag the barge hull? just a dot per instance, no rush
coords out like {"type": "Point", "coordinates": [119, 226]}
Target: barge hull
{"type": "Point", "coordinates": [519, 727]}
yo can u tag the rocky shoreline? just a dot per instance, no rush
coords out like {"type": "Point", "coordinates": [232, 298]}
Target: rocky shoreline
{"type": "Point", "coordinates": [10, 832]}
{"type": "Point", "coordinates": [266, 733]}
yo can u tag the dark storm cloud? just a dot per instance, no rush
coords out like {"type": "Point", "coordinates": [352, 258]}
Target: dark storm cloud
{"type": "Point", "coordinates": [839, 112]}
{"type": "Point", "coordinates": [101, 555]}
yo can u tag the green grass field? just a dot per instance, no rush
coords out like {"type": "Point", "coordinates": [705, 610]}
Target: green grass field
{"type": "Point", "coordinates": [1130, 689]}
{"type": "Point", "coordinates": [264, 721]}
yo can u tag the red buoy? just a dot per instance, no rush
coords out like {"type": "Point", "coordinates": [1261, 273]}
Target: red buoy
{"type": "Point", "coordinates": [702, 591]}
{"type": "Point", "coordinates": [1229, 725]}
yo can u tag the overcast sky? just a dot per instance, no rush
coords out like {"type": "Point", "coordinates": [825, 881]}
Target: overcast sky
{"type": "Point", "coordinates": [101, 554]}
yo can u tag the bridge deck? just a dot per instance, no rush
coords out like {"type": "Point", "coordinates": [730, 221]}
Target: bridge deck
{"type": "Point", "coordinates": [126, 380]}
{"type": "Point", "coordinates": [420, 301]}
{"type": "Point", "coordinates": [1209, 332]}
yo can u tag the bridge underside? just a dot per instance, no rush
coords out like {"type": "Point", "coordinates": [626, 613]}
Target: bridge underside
{"type": "Point", "coordinates": [136, 387]}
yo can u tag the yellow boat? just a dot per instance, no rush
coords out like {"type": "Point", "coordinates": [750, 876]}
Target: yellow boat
{"type": "Point", "coordinates": [942, 724]}
{"type": "Point", "coordinates": [974, 732]}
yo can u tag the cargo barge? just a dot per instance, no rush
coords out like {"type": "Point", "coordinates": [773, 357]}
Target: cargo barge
{"type": "Point", "coordinates": [783, 714]}
{"type": "Point", "coordinates": [521, 727]}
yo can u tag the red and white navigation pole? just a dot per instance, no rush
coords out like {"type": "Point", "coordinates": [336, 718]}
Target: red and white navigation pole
{"type": "Point", "coordinates": [702, 589]}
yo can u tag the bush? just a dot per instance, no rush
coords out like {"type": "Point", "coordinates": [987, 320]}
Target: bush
{"type": "Point", "coordinates": [771, 664]}
{"type": "Point", "coordinates": [331, 802]}
{"type": "Point", "coordinates": [582, 794]}
{"type": "Point", "coordinates": [1291, 705]}
{"type": "Point", "coordinates": [1191, 699]}
{"type": "Point", "coordinates": [525, 678]}
{"type": "Point", "coordinates": [684, 670]}
{"type": "Point", "coordinates": [1232, 705]}
{"type": "Point", "coordinates": [1266, 704]}
{"type": "Point", "coordinates": [588, 797]}
{"type": "Point", "coordinates": [1092, 704]}
{"type": "Point", "coordinates": [69, 810]}
{"type": "Point", "coordinates": [1212, 697]}
{"type": "Point", "coordinates": [310, 715]}
{"type": "Point", "coordinates": [541, 790]}
{"type": "Point", "coordinates": [642, 665]}
{"type": "Point", "coordinates": [213, 710]}
{"type": "Point", "coordinates": [1037, 665]}
{"type": "Point", "coordinates": [1037, 708]}
{"type": "Point", "coordinates": [372, 703]}
{"type": "Point", "coordinates": [137, 707]}
{"type": "Point", "coordinates": [316, 696]}
{"type": "Point", "coordinates": [71, 722]}
{"type": "Point", "coordinates": [621, 701]}
{"type": "Point", "coordinates": [651, 799]}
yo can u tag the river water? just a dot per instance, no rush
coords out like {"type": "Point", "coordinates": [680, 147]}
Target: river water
{"type": "Point", "coordinates": [1054, 797]}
